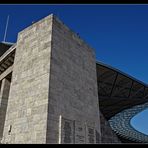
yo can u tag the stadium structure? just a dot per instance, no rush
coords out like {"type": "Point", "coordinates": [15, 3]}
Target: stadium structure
{"type": "Point", "coordinates": [52, 90]}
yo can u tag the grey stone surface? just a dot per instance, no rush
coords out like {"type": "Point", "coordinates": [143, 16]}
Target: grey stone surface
{"type": "Point", "coordinates": [54, 75]}
{"type": "Point", "coordinates": [78, 132]}
{"type": "Point", "coordinates": [28, 100]}
{"type": "Point", "coordinates": [73, 83]}
{"type": "Point", "coordinates": [4, 93]}
{"type": "Point", "coordinates": [107, 134]}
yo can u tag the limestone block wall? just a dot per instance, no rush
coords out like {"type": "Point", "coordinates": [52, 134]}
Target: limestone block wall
{"type": "Point", "coordinates": [73, 109]}
{"type": "Point", "coordinates": [28, 100]}
{"type": "Point", "coordinates": [53, 95]}
{"type": "Point", "coordinates": [4, 93]}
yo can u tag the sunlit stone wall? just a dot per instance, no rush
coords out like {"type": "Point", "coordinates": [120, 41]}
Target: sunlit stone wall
{"type": "Point", "coordinates": [53, 95]}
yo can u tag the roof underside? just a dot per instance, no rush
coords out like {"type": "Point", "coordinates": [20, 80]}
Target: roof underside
{"type": "Point", "coordinates": [3, 48]}
{"type": "Point", "coordinates": [7, 58]}
{"type": "Point", "coordinates": [118, 91]}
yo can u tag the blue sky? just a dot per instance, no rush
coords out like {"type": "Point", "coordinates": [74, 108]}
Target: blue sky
{"type": "Point", "coordinates": [118, 33]}
{"type": "Point", "coordinates": [139, 122]}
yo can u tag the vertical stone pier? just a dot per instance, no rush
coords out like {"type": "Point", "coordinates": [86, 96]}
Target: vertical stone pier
{"type": "Point", "coordinates": [53, 96]}
{"type": "Point", "coordinates": [4, 94]}
{"type": "Point", "coordinates": [28, 99]}
{"type": "Point", "coordinates": [73, 108]}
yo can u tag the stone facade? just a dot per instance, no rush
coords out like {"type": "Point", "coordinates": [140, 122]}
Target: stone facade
{"type": "Point", "coordinates": [73, 85]}
{"type": "Point", "coordinates": [4, 94]}
{"type": "Point", "coordinates": [28, 99]}
{"type": "Point", "coordinates": [107, 134]}
{"type": "Point", "coordinates": [53, 94]}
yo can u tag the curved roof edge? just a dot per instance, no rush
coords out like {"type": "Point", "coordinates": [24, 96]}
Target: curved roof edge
{"type": "Point", "coordinates": [119, 71]}
{"type": "Point", "coordinates": [120, 123]}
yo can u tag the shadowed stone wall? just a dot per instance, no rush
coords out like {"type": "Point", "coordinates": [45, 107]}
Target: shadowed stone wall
{"type": "Point", "coordinates": [107, 135]}
{"type": "Point", "coordinates": [73, 89]}
{"type": "Point", "coordinates": [4, 93]}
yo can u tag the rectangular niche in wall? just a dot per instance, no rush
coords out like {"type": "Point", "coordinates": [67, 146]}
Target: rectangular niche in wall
{"type": "Point", "coordinates": [72, 131]}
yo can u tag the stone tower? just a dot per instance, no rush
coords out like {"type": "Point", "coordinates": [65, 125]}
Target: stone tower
{"type": "Point", "coordinates": [53, 92]}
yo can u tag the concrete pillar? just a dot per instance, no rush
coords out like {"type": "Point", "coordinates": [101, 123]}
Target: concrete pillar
{"type": "Point", "coordinates": [4, 94]}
